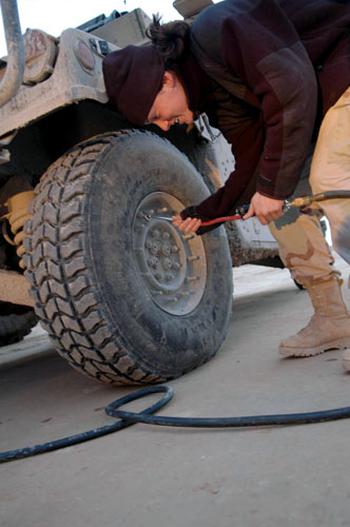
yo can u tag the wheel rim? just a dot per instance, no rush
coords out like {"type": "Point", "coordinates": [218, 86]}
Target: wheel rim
{"type": "Point", "coordinates": [172, 266]}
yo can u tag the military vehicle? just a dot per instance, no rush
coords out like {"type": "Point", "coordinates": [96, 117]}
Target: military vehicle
{"type": "Point", "coordinates": [87, 246]}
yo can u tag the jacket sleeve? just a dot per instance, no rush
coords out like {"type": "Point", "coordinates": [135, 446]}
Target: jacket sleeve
{"type": "Point", "coordinates": [264, 50]}
{"type": "Point", "coordinates": [247, 139]}
{"type": "Point", "coordinates": [242, 128]}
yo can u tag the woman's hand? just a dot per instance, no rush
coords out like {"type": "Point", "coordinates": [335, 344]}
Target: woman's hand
{"type": "Point", "coordinates": [189, 225]}
{"type": "Point", "coordinates": [264, 208]}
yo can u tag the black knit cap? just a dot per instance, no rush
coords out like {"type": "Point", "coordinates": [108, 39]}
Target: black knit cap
{"type": "Point", "coordinates": [133, 76]}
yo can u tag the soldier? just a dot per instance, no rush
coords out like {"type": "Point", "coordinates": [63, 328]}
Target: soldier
{"type": "Point", "coordinates": [273, 76]}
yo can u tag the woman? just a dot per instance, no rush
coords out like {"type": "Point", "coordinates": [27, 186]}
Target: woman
{"type": "Point", "coordinates": [266, 73]}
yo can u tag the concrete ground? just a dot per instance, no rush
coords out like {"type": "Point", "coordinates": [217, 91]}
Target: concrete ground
{"type": "Point", "coordinates": [147, 476]}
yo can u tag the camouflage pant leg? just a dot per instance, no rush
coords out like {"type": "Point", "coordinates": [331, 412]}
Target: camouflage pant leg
{"type": "Point", "coordinates": [303, 249]}
{"type": "Point", "coordinates": [302, 246]}
{"type": "Point", "coordinates": [330, 170]}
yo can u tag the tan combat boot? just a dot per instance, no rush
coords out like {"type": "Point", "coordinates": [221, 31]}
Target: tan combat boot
{"type": "Point", "coordinates": [328, 329]}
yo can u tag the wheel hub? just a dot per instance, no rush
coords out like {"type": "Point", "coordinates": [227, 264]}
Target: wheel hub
{"type": "Point", "coordinates": [172, 265]}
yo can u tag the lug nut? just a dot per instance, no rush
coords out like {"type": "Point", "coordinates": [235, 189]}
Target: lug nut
{"type": "Point", "coordinates": [153, 262]}
{"type": "Point", "coordinates": [153, 247]}
{"type": "Point", "coordinates": [166, 250]}
{"type": "Point", "coordinates": [167, 263]}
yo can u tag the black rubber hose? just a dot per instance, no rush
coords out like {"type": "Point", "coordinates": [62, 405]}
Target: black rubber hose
{"type": "Point", "coordinates": [20, 453]}
{"type": "Point", "coordinates": [331, 194]}
{"type": "Point", "coordinates": [322, 196]}
{"type": "Point", "coordinates": [129, 418]}
{"type": "Point", "coordinates": [224, 422]}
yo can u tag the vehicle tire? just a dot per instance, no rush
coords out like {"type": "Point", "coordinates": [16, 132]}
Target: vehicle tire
{"type": "Point", "coordinates": [125, 297]}
{"type": "Point", "coordinates": [15, 323]}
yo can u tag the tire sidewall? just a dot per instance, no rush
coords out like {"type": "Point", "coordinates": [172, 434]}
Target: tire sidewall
{"type": "Point", "coordinates": [136, 165]}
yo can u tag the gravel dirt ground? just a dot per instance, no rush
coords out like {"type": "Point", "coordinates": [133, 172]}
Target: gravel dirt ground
{"type": "Point", "coordinates": [296, 476]}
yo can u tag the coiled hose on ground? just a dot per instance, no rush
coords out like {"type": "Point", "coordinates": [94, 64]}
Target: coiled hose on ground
{"type": "Point", "coordinates": [129, 418]}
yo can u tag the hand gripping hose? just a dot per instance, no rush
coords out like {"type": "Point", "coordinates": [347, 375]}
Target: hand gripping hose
{"type": "Point", "coordinates": [298, 203]}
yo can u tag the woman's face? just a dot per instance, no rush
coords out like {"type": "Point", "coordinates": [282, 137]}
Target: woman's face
{"type": "Point", "coordinates": [171, 105]}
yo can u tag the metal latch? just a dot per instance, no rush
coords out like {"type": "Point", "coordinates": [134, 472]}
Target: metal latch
{"type": "Point", "coordinates": [5, 156]}
{"type": "Point", "coordinates": [104, 47]}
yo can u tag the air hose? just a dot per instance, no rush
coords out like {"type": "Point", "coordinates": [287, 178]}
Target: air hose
{"type": "Point", "coordinates": [316, 198]}
{"type": "Point", "coordinates": [127, 419]}
{"type": "Point", "coordinates": [298, 203]}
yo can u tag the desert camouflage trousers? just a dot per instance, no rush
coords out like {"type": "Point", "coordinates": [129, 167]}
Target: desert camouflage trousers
{"type": "Point", "coordinates": [302, 246]}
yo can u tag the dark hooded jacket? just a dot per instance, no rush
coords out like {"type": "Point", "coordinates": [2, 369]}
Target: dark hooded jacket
{"type": "Point", "coordinates": [275, 68]}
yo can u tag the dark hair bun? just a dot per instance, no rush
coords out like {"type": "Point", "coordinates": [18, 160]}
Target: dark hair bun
{"type": "Point", "coordinates": [171, 39]}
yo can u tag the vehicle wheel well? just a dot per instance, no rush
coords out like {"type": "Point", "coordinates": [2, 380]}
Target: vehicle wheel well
{"type": "Point", "coordinates": [38, 145]}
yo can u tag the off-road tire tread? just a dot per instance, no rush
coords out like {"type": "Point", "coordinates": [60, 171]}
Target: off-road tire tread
{"type": "Point", "coordinates": [66, 297]}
